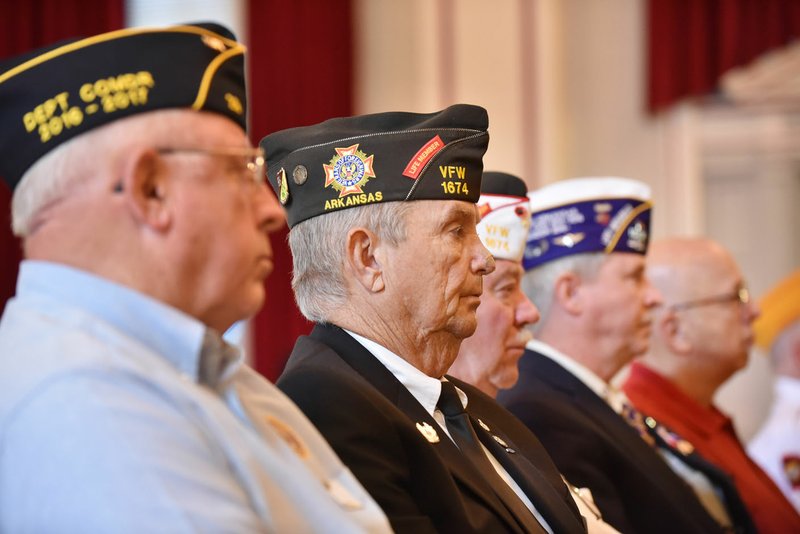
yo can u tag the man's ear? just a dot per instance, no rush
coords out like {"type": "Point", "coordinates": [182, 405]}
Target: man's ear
{"type": "Point", "coordinates": [362, 259]}
{"type": "Point", "coordinates": [144, 184]}
{"type": "Point", "coordinates": [567, 293]}
{"type": "Point", "coordinates": [671, 329]}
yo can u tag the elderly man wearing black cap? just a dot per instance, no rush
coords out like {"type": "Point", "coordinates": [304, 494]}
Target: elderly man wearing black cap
{"type": "Point", "coordinates": [488, 359]}
{"type": "Point", "coordinates": [387, 261]}
{"type": "Point", "coordinates": [145, 218]}
{"type": "Point", "coordinates": [585, 263]}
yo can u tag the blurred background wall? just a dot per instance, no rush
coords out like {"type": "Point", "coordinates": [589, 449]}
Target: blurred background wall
{"type": "Point", "coordinates": [698, 98]}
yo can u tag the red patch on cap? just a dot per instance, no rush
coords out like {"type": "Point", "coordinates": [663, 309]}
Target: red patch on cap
{"type": "Point", "coordinates": [791, 468]}
{"type": "Point", "coordinates": [422, 157]}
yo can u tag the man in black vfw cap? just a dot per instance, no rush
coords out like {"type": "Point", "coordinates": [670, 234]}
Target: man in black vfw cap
{"type": "Point", "coordinates": [144, 218]}
{"type": "Point", "coordinates": [388, 263]}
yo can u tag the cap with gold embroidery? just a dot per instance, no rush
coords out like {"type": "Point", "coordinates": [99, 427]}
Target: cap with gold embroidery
{"type": "Point", "coordinates": [52, 95]}
{"type": "Point", "coordinates": [780, 307]}
{"type": "Point", "coordinates": [383, 157]}
{"type": "Point", "coordinates": [505, 215]}
{"type": "Point", "coordinates": [580, 215]}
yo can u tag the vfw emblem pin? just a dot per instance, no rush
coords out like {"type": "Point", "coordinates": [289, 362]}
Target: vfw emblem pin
{"type": "Point", "coordinates": [428, 432]}
{"type": "Point", "coordinates": [348, 170]}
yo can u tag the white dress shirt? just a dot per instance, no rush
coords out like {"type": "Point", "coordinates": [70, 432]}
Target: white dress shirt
{"type": "Point", "coordinates": [426, 390]}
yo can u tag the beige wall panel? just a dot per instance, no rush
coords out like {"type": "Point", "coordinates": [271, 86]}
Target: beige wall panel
{"type": "Point", "coordinates": [425, 55]}
{"type": "Point", "coordinates": [396, 55]}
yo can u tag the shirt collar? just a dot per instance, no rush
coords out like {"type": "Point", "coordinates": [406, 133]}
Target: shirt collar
{"type": "Point", "coordinates": [174, 335]}
{"type": "Point", "coordinates": [704, 420]}
{"type": "Point", "coordinates": [579, 371]}
{"type": "Point", "coordinates": [425, 389]}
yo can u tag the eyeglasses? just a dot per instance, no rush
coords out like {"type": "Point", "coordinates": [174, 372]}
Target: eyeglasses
{"type": "Point", "coordinates": [253, 158]}
{"type": "Point", "coordinates": [741, 296]}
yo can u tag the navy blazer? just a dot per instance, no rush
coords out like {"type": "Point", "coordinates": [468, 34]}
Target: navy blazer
{"type": "Point", "coordinates": [634, 488]}
{"type": "Point", "coordinates": [372, 421]}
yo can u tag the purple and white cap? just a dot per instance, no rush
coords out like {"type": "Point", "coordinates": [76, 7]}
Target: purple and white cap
{"type": "Point", "coordinates": [582, 215]}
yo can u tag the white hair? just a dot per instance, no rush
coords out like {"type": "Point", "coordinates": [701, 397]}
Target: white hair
{"type": "Point", "coordinates": [318, 252]}
{"type": "Point", "coordinates": [45, 182]}
{"type": "Point", "coordinates": [76, 160]}
{"type": "Point", "coordinates": [539, 283]}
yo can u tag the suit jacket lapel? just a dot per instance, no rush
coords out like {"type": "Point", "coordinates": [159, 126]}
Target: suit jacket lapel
{"type": "Point", "coordinates": [538, 489]}
{"type": "Point", "coordinates": [621, 434]}
{"type": "Point", "coordinates": [721, 480]}
{"type": "Point", "coordinates": [365, 364]}
{"type": "Point", "coordinates": [597, 409]}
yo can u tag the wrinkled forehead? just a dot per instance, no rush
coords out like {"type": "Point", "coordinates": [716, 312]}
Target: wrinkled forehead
{"type": "Point", "coordinates": [506, 269]}
{"type": "Point", "coordinates": [433, 214]}
{"type": "Point", "coordinates": [624, 262]}
{"type": "Point", "coordinates": [721, 274]}
{"type": "Point", "coordinates": [711, 270]}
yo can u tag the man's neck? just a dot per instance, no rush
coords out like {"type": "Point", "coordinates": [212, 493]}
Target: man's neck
{"type": "Point", "coordinates": [432, 354]}
{"type": "Point", "coordinates": [699, 388]}
{"type": "Point", "coordinates": [576, 349]}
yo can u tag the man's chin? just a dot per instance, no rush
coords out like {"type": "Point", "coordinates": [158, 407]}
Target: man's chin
{"type": "Point", "coordinates": [252, 305]}
{"type": "Point", "coordinates": [463, 327]}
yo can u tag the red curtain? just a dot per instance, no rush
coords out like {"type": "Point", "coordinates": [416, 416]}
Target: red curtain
{"type": "Point", "coordinates": [29, 24]}
{"type": "Point", "coordinates": [301, 72]}
{"type": "Point", "coordinates": [692, 43]}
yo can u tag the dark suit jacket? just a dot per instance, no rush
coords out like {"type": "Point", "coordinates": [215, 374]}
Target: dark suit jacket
{"type": "Point", "coordinates": [594, 447]}
{"type": "Point", "coordinates": [371, 419]}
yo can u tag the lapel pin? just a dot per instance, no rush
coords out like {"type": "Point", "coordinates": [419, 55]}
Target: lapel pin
{"type": "Point", "coordinates": [428, 432]}
{"type": "Point", "coordinates": [500, 440]}
{"type": "Point", "coordinates": [342, 495]}
{"type": "Point", "coordinates": [289, 436]}
{"type": "Point", "coordinates": [484, 425]}
{"type": "Point", "coordinates": [674, 441]}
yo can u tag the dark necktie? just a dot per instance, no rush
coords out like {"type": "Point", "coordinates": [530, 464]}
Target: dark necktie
{"type": "Point", "coordinates": [460, 428]}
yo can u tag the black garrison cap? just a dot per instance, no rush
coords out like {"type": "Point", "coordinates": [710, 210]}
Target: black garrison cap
{"type": "Point", "coordinates": [384, 157]}
{"type": "Point", "coordinates": [502, 183]}
{"type": "Point", "coordinates": [505, 215]}
{"type": "Point", "coordinates": [52, 95]}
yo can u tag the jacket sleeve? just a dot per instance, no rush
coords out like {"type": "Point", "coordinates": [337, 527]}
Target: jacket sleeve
{"type": "Point", "coordinates": [359, 426]}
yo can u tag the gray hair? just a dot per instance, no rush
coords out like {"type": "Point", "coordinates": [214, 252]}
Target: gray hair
{"type": "Point", "coordinates": [539, 283]}
{"type": "Point", "coordinates": [78, 159]}
{"type": "Point", "coordinates": [45, 182]}
{"type": "Point", "coordinates": [318, 252]}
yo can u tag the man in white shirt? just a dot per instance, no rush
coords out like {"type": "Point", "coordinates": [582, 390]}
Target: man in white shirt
{"type": "Point", "coordinates": [145, 222]}
{"type": "Point", "coordinates": [776, 447]}
{"type": "Point", "coordinates": [585, 272]}
{"type": "Point", "coordinates": [488, 359]}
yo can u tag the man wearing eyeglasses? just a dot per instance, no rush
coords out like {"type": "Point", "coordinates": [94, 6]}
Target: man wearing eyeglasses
{"type": "Point", "coordinates": [701, 336]}
{"type": "Point", "coordinates": [145, 219]}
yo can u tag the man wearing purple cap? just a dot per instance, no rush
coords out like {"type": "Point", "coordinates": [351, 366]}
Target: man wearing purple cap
{"type": "Point", "coordinates": [488, 359]}
{"type": "Point", "coordinates": [585, 273]}
{"type": "Point", "coordinates": [144, 217]}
